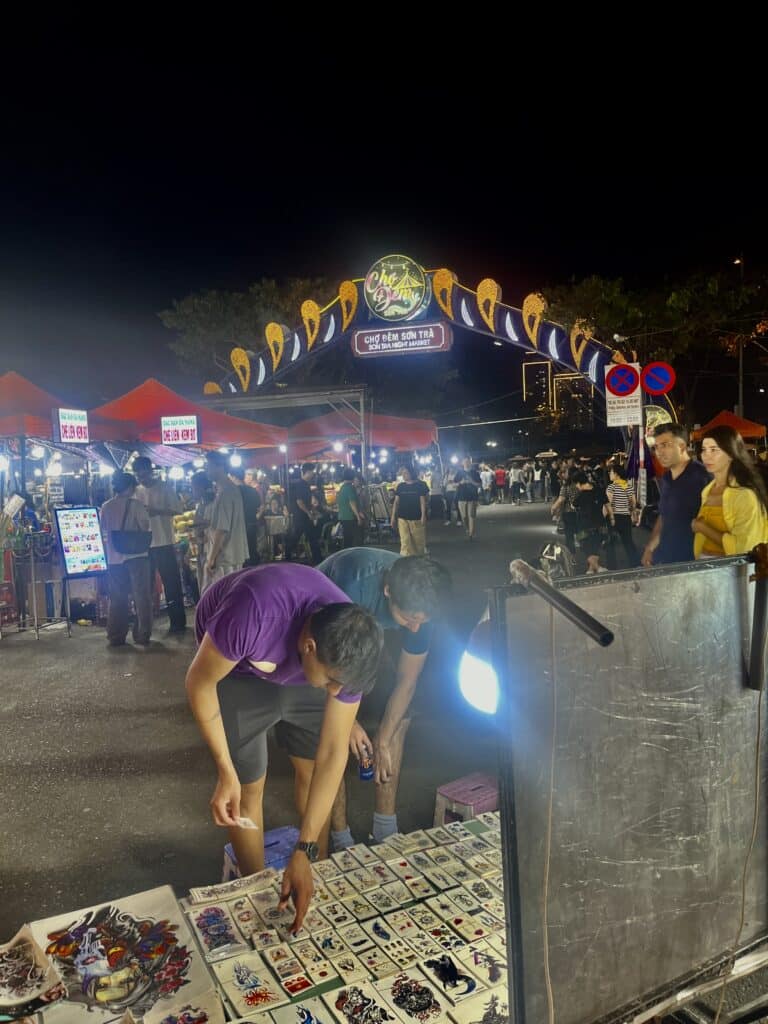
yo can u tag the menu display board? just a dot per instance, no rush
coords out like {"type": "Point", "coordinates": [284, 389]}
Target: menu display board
{"type": "Point", "coordinates": [81, 541]}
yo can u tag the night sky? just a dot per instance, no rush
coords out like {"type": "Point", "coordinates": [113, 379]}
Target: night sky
{"type": "Point", "coordinates": [133, 173]}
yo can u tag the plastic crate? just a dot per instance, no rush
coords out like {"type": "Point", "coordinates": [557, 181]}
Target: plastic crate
{"type": "Point", "coordinates": [278, 847]}
{"type": "Point", "coordinates": [466, 798]}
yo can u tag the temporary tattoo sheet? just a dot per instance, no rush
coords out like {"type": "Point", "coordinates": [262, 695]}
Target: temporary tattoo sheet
{"type": "Point", "coordinates": [330, 943]}
{"type": "Point", "coordinates": [129, 954]}
{"type": "Point", "coordinates": [341, 888]}
{"type": "Point", "coordinates": [423, 917]}
{"type": "Point", "coordinates": [360, 908]}
{"type": "Point", "coordinates": [440, 880]}
{"type": "Point", "coordinates": [306, 1011]}
{"type": "Point", "coordinates": [363, 879]}
{"type": "Point", "coordinates": [337, 915]}
{"type": "Point", "coordinates": [419, 887]}
{"type": "Point", "coordinates": [403, 868]}
{"type": "Point", "coordinates": [359, 1003]}
{"type": "Point", "coordinates": [206, 1010]}
{"type": "Point", "coordinates": [322, 972]}
{"type": "Point", "coordinates": [379, 965]}
{"type": "Point", "coordinates": [485, 962]}
{"type": "Point", "coordinates": [488, 1008]}
{"type": "Point", "coordinates": [324, 870]}
{"type": "Point", "coordinates": [28, 982]}
{"type": "Point", "coordinates": [356, 938]}
{"type": "Point", "coordinates": [363, 853]}
{"type": "Point", "coordinates": [420, 860]}
{"type": "Point", "coordinates": [265, 938]}
{"type": "Point", "coordinates": [438, 836]}
{"type": "Point", "coordinates": [350, 968]}
{"type": "Point", "coordinates": [383, 902]}
{"type": "Point", "coordinates": [247, 984]}
{"type": "Point", "coordinates": [383, 875]}
{"type": "Point", "coordinates": [451, 977]}
{"type": "Point", "coordinates": [216, 930]}
{"type": "Point", "coordinates": [413, 997]}
{"type": "Point", "coordinates": [228, 890]}
{"type": "Point", "coordinates": [398, 891]}
{"type": "Point", "coordinates": [345, 861]}
{"type": "Point", "coordinates": [245, 916]}
{"type": "Point", "coordinates": [424, 945]}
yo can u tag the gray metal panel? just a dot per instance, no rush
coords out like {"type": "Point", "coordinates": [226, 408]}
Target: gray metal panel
{"type": "Point", "coordinates": [653, 784]}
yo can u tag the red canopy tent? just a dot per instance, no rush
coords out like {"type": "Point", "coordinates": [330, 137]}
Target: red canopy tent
{"type": "Point", "coordinates": [746, 428]}
{"type": "Point", "coordinates": [26, 411]}
{"type": "Point", "coordinates": [396, 432]}
{"type": "Point", "coordinates": [146, 404]}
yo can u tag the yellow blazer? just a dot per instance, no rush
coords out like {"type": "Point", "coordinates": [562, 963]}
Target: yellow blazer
{"type": "Point", "coordinates": [744, 516]}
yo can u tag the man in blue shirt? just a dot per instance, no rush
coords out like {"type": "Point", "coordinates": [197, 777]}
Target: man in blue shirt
{"type": "Point", "coordinates": [403, 594]}
{"type": "Point", "coordinates": [680, 490]}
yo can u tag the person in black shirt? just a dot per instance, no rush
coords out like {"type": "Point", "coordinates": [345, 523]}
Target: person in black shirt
{"type": "Point", "coordinates": [409, 514]}
{"type": "Point", "coordinates": [469, 483]}
{"type": "Point", "coordinates": [300, 505]}
{"type": "Point", "coordinates": [588, 504]}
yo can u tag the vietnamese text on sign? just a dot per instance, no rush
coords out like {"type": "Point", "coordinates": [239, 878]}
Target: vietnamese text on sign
{"type": "Point", "coordinates": [393, 341]}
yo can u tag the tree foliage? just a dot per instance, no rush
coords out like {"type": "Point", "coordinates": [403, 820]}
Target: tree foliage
{"type": "Point", "coordinates": [209, 324]}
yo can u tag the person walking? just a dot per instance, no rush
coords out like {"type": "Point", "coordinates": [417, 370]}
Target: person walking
{"type": "Point", "coordinates": [469, 484]}
{"type": "Point", "coordinates": [129, 574]}
{"type": "Point", "coordinates": [409, 514]}
{"type": "Point", "coordinates": [680, 490]}
{"type": "Point", "coordinates": [619, 511]}
{"type": "Point", "coordinates": [351, 518]}
{"type": "Point", "coordinates": [162, 503]}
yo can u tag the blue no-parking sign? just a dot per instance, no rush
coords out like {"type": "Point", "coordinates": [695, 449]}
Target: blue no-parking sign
{"type": "Point", "coordinates": [623, 397]}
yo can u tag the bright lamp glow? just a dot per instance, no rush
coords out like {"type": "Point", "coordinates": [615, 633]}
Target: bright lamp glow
{"type": "Point", "coordinates": [54, 469]}
{"type": "Point", "coordinates": [105, 470]}
{"type": "Point", "coordinates": [235, 461]}
{"type": "Point", "coordinates": [176, 473]}
{"type": "Point", "coordinates": [198, 463]}
{"type": "Point", "coordinates": [274, 467]}
{"type": "Point", "coordinates": [4, 464]}
{"type": "Point", "coordinates": [478, 683]}
{"type": "Point", "coordinates": [338, 446]}
{"type": "Point", "coordinates": [38, 472]}
{"type": "Point", "coordinates": [283, 448]}
{"type": "Point", "coordinates": [38, 452]}
{"type": "Point", "coordinates": [224, 451]}
{"type": "Point", "coordinates": [454, 459]}
{"type": "Point", "coordinates": [383, 453]}
{"type": "Point", "coordinates": [325, 465]}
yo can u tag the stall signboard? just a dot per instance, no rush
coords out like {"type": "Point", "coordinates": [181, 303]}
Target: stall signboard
{"type": "Point", "coordinates": [179, 430]}
{"type": "Point", "coordinates": [70, 426]}
{"type": "Point", "coordinates": [402, 340]}
{"type": "Point", "coordinates": [81, 542]}
{"type": "Point", "coordinates": [623, 395]}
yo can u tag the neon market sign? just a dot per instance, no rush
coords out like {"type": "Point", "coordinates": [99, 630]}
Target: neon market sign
{"type": "Point", "coordinates": [395, 288]}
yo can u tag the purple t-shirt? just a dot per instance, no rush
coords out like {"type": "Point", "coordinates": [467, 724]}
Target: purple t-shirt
{"type": "Point", "coordinates": [256, 615]}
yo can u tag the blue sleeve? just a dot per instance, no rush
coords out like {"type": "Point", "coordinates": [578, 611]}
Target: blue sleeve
{"type": "Point", "coordinates": [418, 642]}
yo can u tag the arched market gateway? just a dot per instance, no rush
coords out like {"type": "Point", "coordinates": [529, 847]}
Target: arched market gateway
{"type": "Point", "coordinates": [400, 308]}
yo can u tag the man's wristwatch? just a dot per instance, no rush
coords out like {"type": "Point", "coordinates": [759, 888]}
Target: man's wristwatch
{"type": "Point", "coordinates": [312, 850]}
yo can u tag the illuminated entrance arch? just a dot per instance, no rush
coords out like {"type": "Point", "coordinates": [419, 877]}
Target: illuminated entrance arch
{"type": "Point", "coordinates": [396, 292]}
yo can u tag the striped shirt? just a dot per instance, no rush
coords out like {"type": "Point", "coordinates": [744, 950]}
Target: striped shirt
{"type": "Point", "coordinates": [619, 499]}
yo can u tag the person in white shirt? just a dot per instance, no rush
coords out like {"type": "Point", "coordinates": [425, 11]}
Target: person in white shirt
{"type": "Point", "coordinates": [162, 504]}
{"type": "Point", "coordinates": [128, 574]}
{"type": "Point", "coordinates": [486, 477]}
{"type": "Point", "coordinates": [228, 538]}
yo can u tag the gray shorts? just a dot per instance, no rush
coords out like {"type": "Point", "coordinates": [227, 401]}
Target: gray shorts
{"type": "Point", "coordinates": [251, 706]}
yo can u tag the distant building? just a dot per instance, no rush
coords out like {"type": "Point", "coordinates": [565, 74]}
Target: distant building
{"type": "Point", "coordinates": [537, 384]}
{"type": "Point", "coordinates": [574, 400]}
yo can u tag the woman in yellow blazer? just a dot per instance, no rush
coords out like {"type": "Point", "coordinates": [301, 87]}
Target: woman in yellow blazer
{"type": "Point", "coordinates": [733, 517]}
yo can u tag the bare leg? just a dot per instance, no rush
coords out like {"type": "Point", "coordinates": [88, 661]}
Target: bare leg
{"type": "Point", "coordinates": [248, 843]}
{"type": "Point", "coordinates": [303, 778]}
{"type": "Point", "coordinates": [339, 821]}
{"type": "Point", "coordinates": [386, 792]}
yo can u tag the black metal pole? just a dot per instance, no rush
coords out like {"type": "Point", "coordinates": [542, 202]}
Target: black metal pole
{"type": "Point", "coordinates": [510, 850]}
{"type": "Point", "coordinates": [756, 678]}
{"type": "Point", "coordinates": [527, 576]}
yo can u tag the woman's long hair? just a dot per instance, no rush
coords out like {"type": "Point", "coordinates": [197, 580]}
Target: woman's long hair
{"type": "Point", "coordinates": [743, 468]}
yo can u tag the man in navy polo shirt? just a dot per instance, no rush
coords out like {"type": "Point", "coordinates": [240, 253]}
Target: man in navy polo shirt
{"type": "Point", "coordinates": [681, 485]}
{"type": "Point", "coordinates": [403, 594]}
{"type": "Point", "coordinates": [282, 646]}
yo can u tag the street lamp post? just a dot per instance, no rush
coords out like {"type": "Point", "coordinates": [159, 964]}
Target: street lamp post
{"type": "Point", "coordinates": [739, 262]}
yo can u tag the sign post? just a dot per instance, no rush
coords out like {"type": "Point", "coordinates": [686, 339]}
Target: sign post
{"type": "Point", "coordinates": [623, 395]}
{"type": "Point", "coordinates": [70, 426]}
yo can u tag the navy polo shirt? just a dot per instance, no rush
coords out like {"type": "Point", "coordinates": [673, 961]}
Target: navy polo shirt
{"type": "Point", "coordinates": [679, 504]}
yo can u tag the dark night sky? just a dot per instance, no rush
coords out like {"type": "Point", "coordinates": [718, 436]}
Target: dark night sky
{"type": "Point", "coordinates": [132, 174]}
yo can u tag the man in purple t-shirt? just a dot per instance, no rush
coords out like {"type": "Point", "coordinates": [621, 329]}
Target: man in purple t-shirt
{"type": "Point", "coordinates": [265, 635]}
